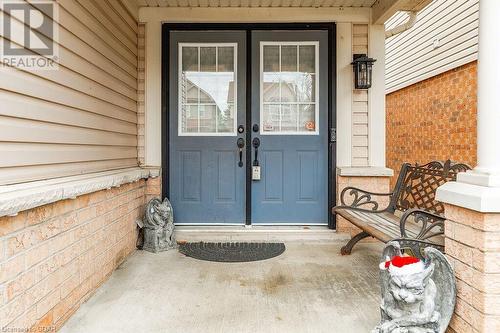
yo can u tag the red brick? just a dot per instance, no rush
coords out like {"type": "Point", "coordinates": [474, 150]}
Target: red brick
{"type": "Point", "coordinates": [434, 119]}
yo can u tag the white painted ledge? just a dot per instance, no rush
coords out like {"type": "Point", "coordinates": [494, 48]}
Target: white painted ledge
{"type": "Point", "coordinates": [19, 197]}
{"type": "Point", "coordinates": [479, 198]}
{"type": "Point", "coordinates": [364, 172]}
{"type": "Point", "coordinates": [476, 177]}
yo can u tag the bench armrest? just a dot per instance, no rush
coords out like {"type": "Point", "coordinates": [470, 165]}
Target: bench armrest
{"type": "Point", "coordinates": [431, 224]}
{"type": "Point", "coordinates": [416, 246]}
{"type": "Point", "coordinates": [361, 200]}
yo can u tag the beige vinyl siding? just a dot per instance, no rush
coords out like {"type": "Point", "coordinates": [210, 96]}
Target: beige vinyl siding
{"type": "Point", "coordinates": [412, 56]}
{"type": "Point", "coordinates": [360, 103]}
{"type": "Point", "coordinates": [140, 92]}
{"type": "Point", "coordinates": [81, 118]}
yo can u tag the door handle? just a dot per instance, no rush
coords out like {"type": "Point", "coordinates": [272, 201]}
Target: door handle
{"type": "Point", "coordinates": [240, 143]}
{"type": "Point", "coordinates": [256, 144]}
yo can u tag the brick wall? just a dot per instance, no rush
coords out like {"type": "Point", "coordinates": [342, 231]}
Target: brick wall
{"type": "Point", "coordinates": [473, 249]}
{"type": "Point", "coordinates": [53, 257]}
{"type": "Point", "coordinates": [434, 119]}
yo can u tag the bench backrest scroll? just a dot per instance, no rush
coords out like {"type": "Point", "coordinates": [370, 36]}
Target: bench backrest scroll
{"type": "Point", "coordinates": [417, 184]}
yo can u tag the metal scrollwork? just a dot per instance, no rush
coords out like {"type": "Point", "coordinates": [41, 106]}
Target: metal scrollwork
{"type": "Point", "coordinates": [358, 199]}
{"type": "Point", "coordinates": [431, 224]}
{"type": "Point", "coordinates": [417, 187]}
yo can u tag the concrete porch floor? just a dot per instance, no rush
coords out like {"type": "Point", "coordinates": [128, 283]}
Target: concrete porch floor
{"type": "Point", "coordinates": [309, 288]}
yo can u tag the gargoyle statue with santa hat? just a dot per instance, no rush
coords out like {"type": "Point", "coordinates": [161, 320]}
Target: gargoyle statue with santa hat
{"type": "Point", "coordinates": [418, 295]}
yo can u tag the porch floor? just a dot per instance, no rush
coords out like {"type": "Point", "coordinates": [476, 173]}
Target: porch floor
{"type": "Point", "coordinates": [310, 288]}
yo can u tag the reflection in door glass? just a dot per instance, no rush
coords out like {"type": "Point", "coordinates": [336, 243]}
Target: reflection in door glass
{"type": "Point", "coordinates": [271, 117]}
{"type": "Point", "coordinates": [289, 87]}
{"type": "Point", "coordinates": [207, 89]}
{"type": "Point", "coordinates": [306, 117]}
{"type": "Point", "coordinates": [289, 118]}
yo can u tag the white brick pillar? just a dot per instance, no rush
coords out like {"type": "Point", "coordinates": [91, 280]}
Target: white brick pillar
{"type": "Point", "coordinates": [472, 203]}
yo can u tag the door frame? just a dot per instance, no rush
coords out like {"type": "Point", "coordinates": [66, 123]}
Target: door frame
{"type": "Point", "coordinates": [330, 27]}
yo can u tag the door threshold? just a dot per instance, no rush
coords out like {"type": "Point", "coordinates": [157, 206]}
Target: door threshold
{"type": "Point", "coordinates": [258, 234]}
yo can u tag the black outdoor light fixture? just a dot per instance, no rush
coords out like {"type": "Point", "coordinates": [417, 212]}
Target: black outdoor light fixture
{"type": "Point", "coordinates": [362, 66]}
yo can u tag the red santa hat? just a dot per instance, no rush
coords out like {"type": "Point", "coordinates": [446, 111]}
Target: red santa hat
{"type": "Point", "coordinates": [402, 265]}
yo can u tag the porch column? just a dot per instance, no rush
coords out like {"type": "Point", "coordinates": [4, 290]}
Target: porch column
{"type": "Point", "coordinates": [487, 172]}
{"type": "Point", "coordinates": [472, 203]}
{"type": "Point", "coordinates": [479, 189]}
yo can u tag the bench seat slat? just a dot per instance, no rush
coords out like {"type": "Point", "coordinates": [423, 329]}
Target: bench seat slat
{"type": "Point", "coordinates": [382, 226]}
{"type": "Point", "coordinates": [382, 223]}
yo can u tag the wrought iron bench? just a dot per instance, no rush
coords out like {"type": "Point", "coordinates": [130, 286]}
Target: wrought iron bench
{"type": "Point", "coordinates": [413, 216]}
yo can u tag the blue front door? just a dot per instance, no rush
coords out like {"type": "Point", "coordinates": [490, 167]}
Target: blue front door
{"type": "Point", "coordinates": [207, 103]}
{"type": "Point", "coordinates": [289, 115]}
{"type": "Point", "coordinates": [208, 127]}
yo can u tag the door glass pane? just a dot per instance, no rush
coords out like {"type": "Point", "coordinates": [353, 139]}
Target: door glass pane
{"type": "Point", "coordinates": [289, 58]}
{"type": "Point", "coordinates": [191, 118]}
{"type": "Point", "coordinates": [307, 56]}
{"type": "Point", "coordinates": [207, 89]}
{"type": "Point", "coordinates": [225, 119]}
{"type": "Point", "coordinates": [271, 87]}
{"type": "Point", "coordinates": [192, 92]}
{"type": "Point", "coordinates": [290, 82]}
{"type": "Point", "coordinates": [288, 89]}
{"type": "Point", "coordinates": [271, 119]}
{"type": "Point", "coordinates": [207, 59]}
{"type": "Point", "coordinates": [190, 59]}
{"type": "Point", "coordinates": [226, 59]}
{"type": "Point", "coordinates": [306, 87]}
{"type": "Point", "coordinates": [289, 118]}
{"type": "Point", "coordinates": [271, 58]}
{"type": "Point", "coordinates": [207, 119]}
{"type": "Point", "coordinates": [307, 118]}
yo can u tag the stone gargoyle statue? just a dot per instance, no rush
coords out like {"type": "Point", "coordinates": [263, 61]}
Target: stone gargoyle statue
{"type": "Point", "coordinates": [418, 296]}
{"type": "Point", "coordinates": [158, 226]}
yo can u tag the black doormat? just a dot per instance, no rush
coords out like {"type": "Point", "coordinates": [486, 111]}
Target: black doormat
{"type": "Point", "coordinates": [232, 252]}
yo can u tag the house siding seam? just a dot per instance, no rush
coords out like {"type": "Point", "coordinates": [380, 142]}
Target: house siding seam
{"type": "Point", "coordinates": [434, 119]}
{"type": "Point", "coordinates": [53, 257]}
{"type": "Point", "coordinates": [360, 103]}
{"type": "Point", "coordinates": [141, 53]}
{"type": "Point", "coordinates": [412, 56]}
{"type": "Point", "coordinates": [81, 118]}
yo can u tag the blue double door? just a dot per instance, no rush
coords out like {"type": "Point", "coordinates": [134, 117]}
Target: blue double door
{"type": "Point", "coordinates": [248, 149]}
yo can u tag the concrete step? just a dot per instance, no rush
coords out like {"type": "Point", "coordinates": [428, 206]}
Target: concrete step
{"type": "Point", "coordinates": [258, 233]}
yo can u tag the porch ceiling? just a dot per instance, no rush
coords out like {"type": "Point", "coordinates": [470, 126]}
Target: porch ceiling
{"type": "Point", "coordinates": [381, 10]}
{"type": "Point", "coordinates": [255, 3]}
{"type": "Point", "coordinates": [382, 4]}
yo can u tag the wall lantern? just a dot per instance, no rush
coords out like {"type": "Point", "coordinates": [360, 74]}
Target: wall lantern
{"type": "Point", "coordinates": [362, 66]}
